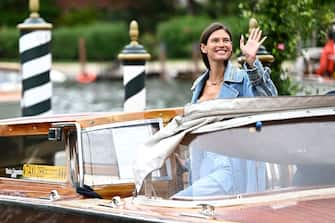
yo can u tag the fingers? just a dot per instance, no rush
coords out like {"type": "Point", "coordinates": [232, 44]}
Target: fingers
{"type": "Point", "coordinates": [255, 34]}
{"type": "Point", "coordinates": [258, 34]}
{"type": "Point", "coordinates": [264, 38]}
{"type": "Point", "coordinates": [242, 42]}
{"type": "Point", "coordinates": [252, 33]}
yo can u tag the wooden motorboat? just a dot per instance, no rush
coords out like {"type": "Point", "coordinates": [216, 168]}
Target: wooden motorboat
{"type": "Point", "coordinates": [124, 167]}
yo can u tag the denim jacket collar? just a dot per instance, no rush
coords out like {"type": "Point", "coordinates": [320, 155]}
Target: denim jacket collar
{"type": "Point", "coordinates": [231, 75]}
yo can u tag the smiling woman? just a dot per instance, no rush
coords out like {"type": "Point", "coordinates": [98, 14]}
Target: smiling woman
{"type": "Point", "coordinates": [216, 50]}
{"type": "Point", "coordinates": [223, 174]}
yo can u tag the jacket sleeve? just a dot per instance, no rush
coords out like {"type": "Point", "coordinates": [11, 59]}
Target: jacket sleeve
{"type": "Point", "coordinates": [260, 80]}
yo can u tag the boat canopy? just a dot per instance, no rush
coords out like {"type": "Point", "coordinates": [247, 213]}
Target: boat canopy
{"type": "Point", "coordinates": [221, 114]}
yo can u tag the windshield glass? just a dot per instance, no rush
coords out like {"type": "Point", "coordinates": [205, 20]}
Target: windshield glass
{"type": "Point", "coordinates": [109, 150]}
{"type": "Point", "coordinates": [258, 158]}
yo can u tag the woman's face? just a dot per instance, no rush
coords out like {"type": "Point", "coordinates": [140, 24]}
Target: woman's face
{"type": "Point", "coordinates": [219, 46]}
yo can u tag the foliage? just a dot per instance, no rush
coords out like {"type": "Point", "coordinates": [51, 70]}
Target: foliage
{"type": "Point", "coordinates": [9, 43]}
{"type": "Point", "coordinates": [75, 17]}
{"type": "Point", "coordinates": [148, 13]}
{"type": "Point", "coordinates": [287, 23]}
{"type": "Point", "coordinates": [150, 43]}
{"type": "Point", "coordinates": [48, 11]}
{"type": "Point", "coordinates": [216, 9]}
{"type": "Point", "coordinates": [13, 12]}
{"type": "Point", "coordinates": [68, 37]}
{"type": "Point", "coordinates": [103, 41]}
{"type": "Point", "coordinates": [106, 40]}
{"type": "Point", "coordinates": [238, 26]}
{"type": "Point", "coordinates": [180, 34]}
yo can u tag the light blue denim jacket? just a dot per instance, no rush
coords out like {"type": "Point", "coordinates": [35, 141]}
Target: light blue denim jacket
{"type": "Point", "coordinates": [239, 83]}
{"type": "Point", "coordinates": [214, 174]}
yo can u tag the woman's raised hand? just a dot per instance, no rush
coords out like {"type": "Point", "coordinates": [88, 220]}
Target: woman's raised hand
{"type": "Point", "coordinates": [250, 48]}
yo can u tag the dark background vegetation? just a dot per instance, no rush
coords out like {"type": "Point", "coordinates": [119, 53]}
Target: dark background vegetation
{"type": "Point", "coordinates": [176, 25]}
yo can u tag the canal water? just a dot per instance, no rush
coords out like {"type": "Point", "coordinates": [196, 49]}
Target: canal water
{"type": "Point", "coordinates": [108, 95]}
{"type": "Point", "coordinates": [104, 96]}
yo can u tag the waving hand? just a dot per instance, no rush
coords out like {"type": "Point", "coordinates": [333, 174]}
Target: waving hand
{"type": "Point", "coordinates": [249, 49]}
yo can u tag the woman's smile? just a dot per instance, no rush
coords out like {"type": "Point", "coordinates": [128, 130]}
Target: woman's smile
{"type": "Point", "coordinates": [218, 47]}
{"type": "Point", "coordinates": [221, 50]}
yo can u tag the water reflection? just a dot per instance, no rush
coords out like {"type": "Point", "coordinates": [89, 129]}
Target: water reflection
{"type": "Point", "coordinates": [105, 96]}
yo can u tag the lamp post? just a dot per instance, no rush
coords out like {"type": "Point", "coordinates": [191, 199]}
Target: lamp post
{"type": "Point", "coordinates": [133, 58]}
{"type": "Point", "coordinates": [35, 56]}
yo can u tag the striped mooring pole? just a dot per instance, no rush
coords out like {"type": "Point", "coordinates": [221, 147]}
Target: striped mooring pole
{"type": "Point", "coordinates": [133, 58]}
{"type": "Point", "coordinates": [34, 47]}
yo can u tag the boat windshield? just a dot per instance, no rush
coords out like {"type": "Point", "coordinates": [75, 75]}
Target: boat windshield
{"type": "Point", "coordinates": [109, 150]}
{"type": "Point", "coordinates": [262, 157]}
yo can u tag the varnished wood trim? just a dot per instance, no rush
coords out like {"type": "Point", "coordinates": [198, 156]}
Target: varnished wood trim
{"type": "Point", "coordinates": [109, 191]}
{"type": "Point", "coordinates": [165, 114]}
{"type": "Point", "coordinates": [25, 188]}
{"type": "Point", "coordinates": [25, 129]}
{"type": "Point", "coordinates": [40, 125]}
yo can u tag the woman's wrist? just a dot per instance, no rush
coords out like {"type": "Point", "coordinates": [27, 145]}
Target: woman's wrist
{"type": "Point", "coordinates": [250, 61]}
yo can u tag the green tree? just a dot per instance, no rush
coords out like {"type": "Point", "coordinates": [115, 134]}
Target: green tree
{"type": "Point", "coordinates": [13, 12]}
{"type": "Point", "coordinates": [287, 23]}
{"type": "Point", "coordinates": [218, 8]}
{"type": "Point", "coordinates": [148, 13]}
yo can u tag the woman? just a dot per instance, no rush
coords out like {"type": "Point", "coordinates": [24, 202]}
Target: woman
{"type": "Point", "coordinates": [214, 174]}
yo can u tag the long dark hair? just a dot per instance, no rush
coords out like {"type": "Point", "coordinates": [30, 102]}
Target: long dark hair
{"type": "Point", "coordinates": [205, 35]}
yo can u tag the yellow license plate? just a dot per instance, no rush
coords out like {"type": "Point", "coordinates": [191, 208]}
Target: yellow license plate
{"type": "Point", "coordinates": [57, 173]}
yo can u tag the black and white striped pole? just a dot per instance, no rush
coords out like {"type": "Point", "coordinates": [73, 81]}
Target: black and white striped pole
{"type": "Point", "coordinates": [34, 47]}
{"type": "Point", "coordinates": [133, 58]}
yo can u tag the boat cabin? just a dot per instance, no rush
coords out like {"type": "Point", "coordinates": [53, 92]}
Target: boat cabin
{"type": "Point", "coordinates": [67, 153]}
{"type": "Point", "coordinates": [245, 147]}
